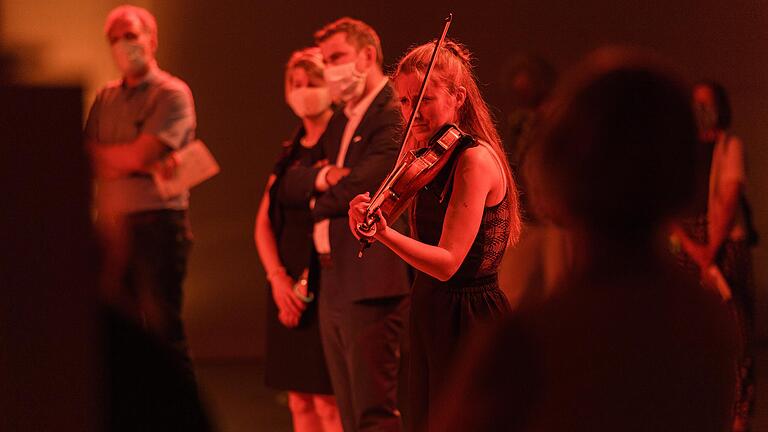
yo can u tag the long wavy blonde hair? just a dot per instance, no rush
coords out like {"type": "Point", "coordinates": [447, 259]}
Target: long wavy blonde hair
{"type": "Point", "coordinates": [452, 70]}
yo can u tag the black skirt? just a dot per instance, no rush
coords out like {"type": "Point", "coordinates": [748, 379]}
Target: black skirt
{"type": "Point", "coordinates": [294, 359]}
{"type": "Point", "coordinates": [443, 316]}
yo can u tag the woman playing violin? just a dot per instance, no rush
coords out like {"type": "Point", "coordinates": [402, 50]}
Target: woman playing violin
{"type": "Point", "coordinates": [461, 222]}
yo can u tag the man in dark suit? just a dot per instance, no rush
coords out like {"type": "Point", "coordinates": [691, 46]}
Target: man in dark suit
{"type": "Point", "coordinates": [362, 302]}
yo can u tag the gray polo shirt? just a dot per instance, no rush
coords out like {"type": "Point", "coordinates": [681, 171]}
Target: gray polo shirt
{"type": "Point", "coordinates": [162, 106]}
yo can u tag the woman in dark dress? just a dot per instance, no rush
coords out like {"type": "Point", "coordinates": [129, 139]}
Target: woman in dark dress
{"type": "Point", "coordinates": [283, 233]}
{"type": "Point", "coordinates": [462, 222]}
{"type": "Point", "coordinates": [722, 240]}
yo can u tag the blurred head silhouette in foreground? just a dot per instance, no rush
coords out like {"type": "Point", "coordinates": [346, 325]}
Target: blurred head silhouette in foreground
{"type": "Point", "coordinates": [628, 342]}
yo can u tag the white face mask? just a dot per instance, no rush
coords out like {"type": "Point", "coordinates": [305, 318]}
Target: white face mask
{"type": "Point", "coordinates": [130, 57]}
{"type": "Point", "coordinates": [309, 101]}
{"type": "Point", "coordinates": [344, 81]}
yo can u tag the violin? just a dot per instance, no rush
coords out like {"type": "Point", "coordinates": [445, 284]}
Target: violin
{"type": "Point", "coordinates": [416, 168]}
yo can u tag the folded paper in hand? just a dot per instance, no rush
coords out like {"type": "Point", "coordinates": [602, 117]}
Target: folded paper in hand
{"type": "Point", "coordinates": [193, 165]}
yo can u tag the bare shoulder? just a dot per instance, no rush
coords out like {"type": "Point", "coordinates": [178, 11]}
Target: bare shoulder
{"type": "Point", "coordinates": [478, 157]}
{"type": "Point", "coordinates": [477, 172]}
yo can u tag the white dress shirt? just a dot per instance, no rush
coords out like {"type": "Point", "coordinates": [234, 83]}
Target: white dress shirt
{"type": "Point", "coordinates": [354, 113]}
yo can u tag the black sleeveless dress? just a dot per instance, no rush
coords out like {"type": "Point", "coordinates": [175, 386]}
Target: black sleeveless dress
{"type": "Point", "coordinates": [294, 358]}
{"type": "Point", "coordinates": [444, 313]}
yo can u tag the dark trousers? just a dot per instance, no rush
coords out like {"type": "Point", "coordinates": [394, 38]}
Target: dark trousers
{"type": "Point", "coordinates": [158, 248]}
{"type": "Point", "coordinates": [361, 341]}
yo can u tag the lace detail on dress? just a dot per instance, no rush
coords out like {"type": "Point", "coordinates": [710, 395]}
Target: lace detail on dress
{"type": "Point", "coordinates": [494, 230]}
{"type": "Point", "coordinates": [487, 250]}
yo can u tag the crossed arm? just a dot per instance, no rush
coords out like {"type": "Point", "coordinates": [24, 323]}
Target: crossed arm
{"type": "Point", "coordinates": [289, 306]}
{"type": "Point", "coordinates": [121, 159]}
{"type": "Point", "coordinates": [170, 124]}
{"type": "Point", "coordinates": [377, 159]}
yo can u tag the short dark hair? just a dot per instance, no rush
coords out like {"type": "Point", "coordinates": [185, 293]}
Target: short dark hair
{"type": "Point", "coordinates": [358, 34]}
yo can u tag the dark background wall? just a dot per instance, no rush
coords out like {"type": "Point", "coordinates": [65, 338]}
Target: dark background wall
{"type": "Point", "coordinates": [232, 52]}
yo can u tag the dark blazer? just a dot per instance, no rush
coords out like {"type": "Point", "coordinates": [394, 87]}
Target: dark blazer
{"type": "Point", "coordinates": [371, 156]}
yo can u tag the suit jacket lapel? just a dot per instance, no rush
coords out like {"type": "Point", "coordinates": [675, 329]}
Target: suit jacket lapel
{"type": "Point", "coordinates": [334, 133]}
{"type": "Point", "coordinates": [384, 98]}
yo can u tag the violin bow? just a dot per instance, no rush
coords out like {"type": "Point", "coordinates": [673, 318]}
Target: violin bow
{"type": "Point", "coordinates": [423, 88]}
{"type": "Point", "coordinates": [419, 98]}
{"type": "Point", "coordinates": [365, 243]}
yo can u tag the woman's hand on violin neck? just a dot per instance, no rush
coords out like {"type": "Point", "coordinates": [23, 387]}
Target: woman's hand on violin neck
{"type": "Point", "coordinates": [357, 211]}
{"type": "Point", "coordinates": [363, 199]}
{"type": "Point", "coordinates": [357, 208]}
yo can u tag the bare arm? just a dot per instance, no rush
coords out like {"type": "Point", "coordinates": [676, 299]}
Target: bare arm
{"type": "Point", "coordinates": [721, 211]}
{"type": "Point", "coordinates": [290, 307]}
{"type": "Point", "coordinates": [171, 124]}
{"type": "Point", "coordinates": [264, 237]}
{"type": "Point", "coordinates": [721, 207]}
{"type": "Point", "coordinates": [121, 159]}
{"type": "Point", "coordinates": [721, 217]}
{"type": "Point", "coordinates": [693, 249]}
{"type": "Point", "coordinates": [471, 187]}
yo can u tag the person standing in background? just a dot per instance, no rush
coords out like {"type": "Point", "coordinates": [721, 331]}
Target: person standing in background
{"type": "Point", "coordinates": [530, 270]}
{"type": "Point", "coordinates": [294, 359]}
{"type": "Point", "coordinates": [363, 302]}
{"type": "Point", "coordinates": [729, 231]}
{"type": "Point", "coordinates": [133, 125]}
